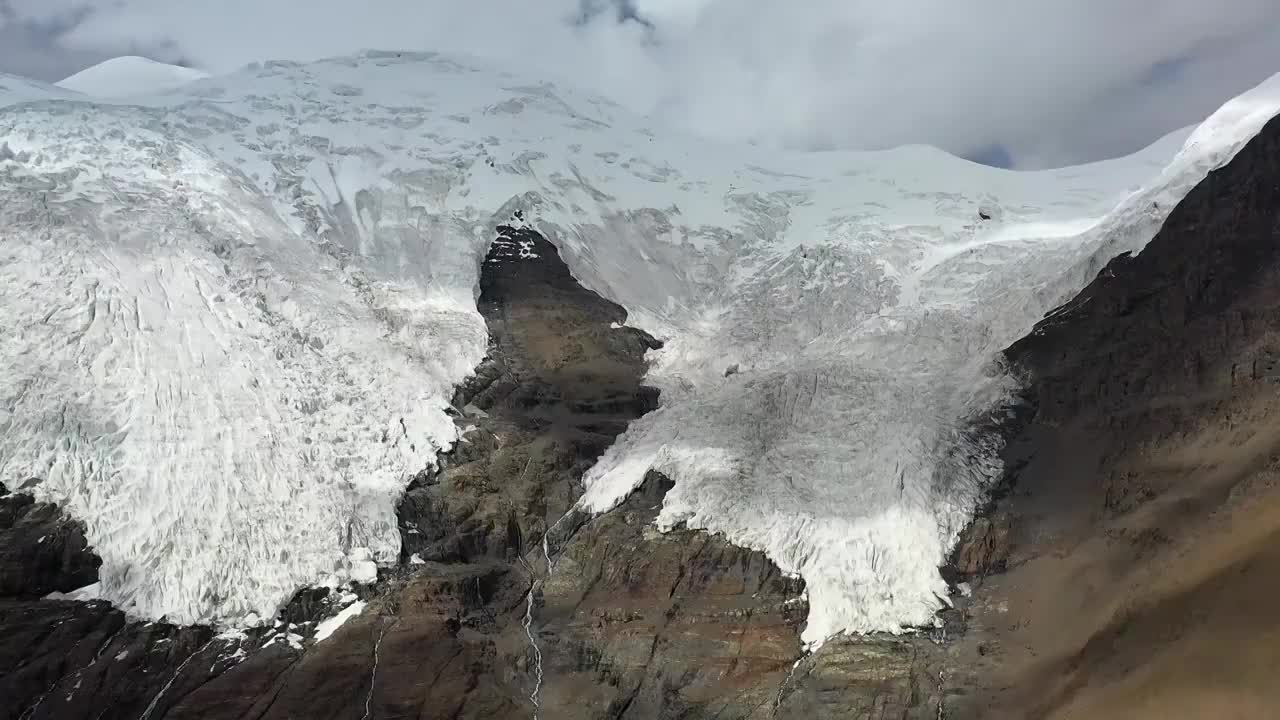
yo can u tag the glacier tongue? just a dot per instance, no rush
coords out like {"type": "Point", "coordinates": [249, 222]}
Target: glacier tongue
{"type": "Point", "coordinates": [239, 310]}
{"type": "Point", "coordinates": [843, 445]}
{"type": "Point", "coordinates": [232, 408]}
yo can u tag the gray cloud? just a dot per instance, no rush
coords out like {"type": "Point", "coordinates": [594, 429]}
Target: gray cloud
{"type": "Point", "coordinates": [29, 47]}
{"type": "Point", "coordinates": [33, 40]}
{"type": "Point", "coordinates": [1030, 82]}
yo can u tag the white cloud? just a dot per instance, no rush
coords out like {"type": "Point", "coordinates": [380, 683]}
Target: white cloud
{"type": "Point", "coordinates": [1053, 82]}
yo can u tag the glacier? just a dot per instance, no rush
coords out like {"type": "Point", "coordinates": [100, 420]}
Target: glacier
{"type": "Point", "coordinates": [238, 310]}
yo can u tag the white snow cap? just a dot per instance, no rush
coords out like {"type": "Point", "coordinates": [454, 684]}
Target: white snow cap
{"type": "Point", "coordinates": [128, 76]}
{"type": "Point", "coordinates": [251, 298]}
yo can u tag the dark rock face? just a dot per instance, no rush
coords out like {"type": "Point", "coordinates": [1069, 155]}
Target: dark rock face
{"type": "Point", "coordinates": [558, 386]}
{"type": "Point", "coordinates": [41, 551]}
{"type": "Point", "coordinates": [638, 624]}
{"type": "Point", "coordinates": [1146, 498]}
{"type": "Point", "coordinates": [1200, 295]}
{"type": "Point", "coordinates": [983, 547]}
{"type": "Point", "coordinates": [63, 659]}
{"type": "Point", "coordinates": [77, 660]}
{"type": "Point", "coordinates": [682, 624]}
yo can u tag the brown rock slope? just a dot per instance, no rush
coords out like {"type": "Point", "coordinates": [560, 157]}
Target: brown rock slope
{"type": "Point", "coordinates": [1145, 540]}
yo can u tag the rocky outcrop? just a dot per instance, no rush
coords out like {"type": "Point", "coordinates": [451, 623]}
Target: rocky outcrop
{"type": "Point", "coordinates": [41, 551]}
{"type": "Point", "coordinates": [983, 547]}
{"type": "Point", "coordinates": [561, 381]}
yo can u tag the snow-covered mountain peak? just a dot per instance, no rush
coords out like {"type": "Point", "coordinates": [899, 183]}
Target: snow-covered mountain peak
{"type": "Point", "coordinates": [129, 76]}
{"type": "Point", "coordinates": [241, 307]}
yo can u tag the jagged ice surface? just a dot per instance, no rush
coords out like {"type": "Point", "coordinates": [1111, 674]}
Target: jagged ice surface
{"type": "Point", "coordinates": [227, 298]}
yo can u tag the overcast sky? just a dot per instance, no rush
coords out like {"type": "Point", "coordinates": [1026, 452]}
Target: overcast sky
{"type": "Point", "coordinates": [1030, 83]}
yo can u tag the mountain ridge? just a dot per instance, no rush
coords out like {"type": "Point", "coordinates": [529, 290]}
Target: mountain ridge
{"type": "Point", "coordinates": [208, 227]}
{"type": "Point", "coordinates": [602, 617]}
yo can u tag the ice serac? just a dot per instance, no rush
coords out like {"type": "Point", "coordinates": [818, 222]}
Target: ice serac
{"type": "Point", "coordinates": [241, 307]}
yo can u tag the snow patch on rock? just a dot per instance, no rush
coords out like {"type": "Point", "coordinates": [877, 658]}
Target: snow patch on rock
{"type": "Point", "coordinates": [327, 627]}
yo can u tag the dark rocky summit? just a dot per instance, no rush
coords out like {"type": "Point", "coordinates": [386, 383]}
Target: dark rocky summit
{"type": "Point", "coordinates": [1126, 569]}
